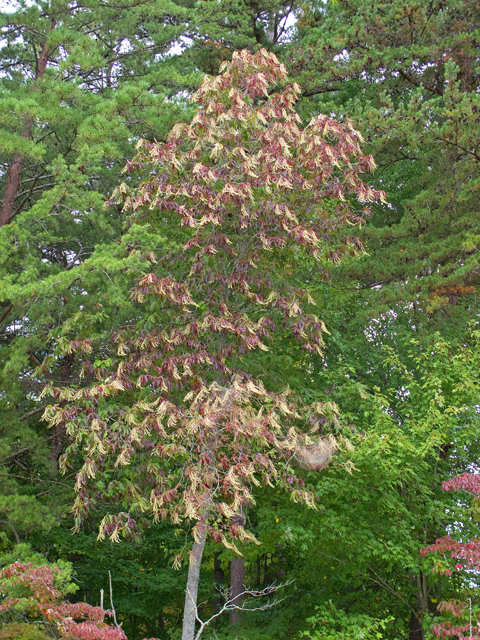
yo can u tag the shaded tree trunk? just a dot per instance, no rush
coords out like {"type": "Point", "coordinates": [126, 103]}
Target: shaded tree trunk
{"type": "Point", "coordinates": [237, 579]}
{"type": "Point", "coordinates": [57, 442]}
{"type": "Point", "coordinates": [416, 630]}
{"type": "Point", "coordinates": [218, 579]}
{"type": "Point", "coordinates": [12, 182]}
{"type": "Point", "coordinates": [237, 586]}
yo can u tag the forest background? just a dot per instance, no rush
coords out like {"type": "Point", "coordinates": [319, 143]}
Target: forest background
{"type": "Point", "coordinates": [81, 84]}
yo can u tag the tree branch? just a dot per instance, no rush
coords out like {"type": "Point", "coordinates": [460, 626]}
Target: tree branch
{"type": "Point", "coordinates": [111, 600]}
{"type": "Point", "coordinates": [31, 413]}
{"type": "Point", "coordinates": [6, 312]}
{"type": "Point", "coordinates": [17, 537]}
{"type": "Point", "coordinates": [231, 606]}
{"type": "Point", "coordinates": [317, 90]}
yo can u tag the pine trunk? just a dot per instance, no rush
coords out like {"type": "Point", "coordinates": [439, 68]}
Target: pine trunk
{"type": "Point", "coordinates": [13, 179]}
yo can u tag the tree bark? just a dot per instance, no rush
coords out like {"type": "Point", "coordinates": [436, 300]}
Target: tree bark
{"type": "Point", "coordinates": [416, 631]}
{"type": "Point", "coordinates": [57, 442]}
{"type": "Point", "coordinates": [237, 586]}
{"type": "Point", "coordinates": [237, 579]}
{"type": "Point", "coordinates": [12, 182]}
{"type": "Point", "coordinates": [190, 611]}
{"type": "Point", "coordinates": [218, 580]}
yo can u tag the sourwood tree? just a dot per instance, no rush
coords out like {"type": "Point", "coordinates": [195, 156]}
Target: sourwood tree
{"type": "Point", "coordinates": [179, 406]}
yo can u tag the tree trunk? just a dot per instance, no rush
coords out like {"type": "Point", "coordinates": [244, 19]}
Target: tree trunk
{"type": "Point", "coordinates": [11, 186]}
{"type": "Point", "coordinates": [12, 181]}
{"type": "Point", "coordinates": [219, 581]}
{"type": "Point", "coordinates": [57, 442]}
{"type": "Point", "coordinates": [237, 586]}
{"type": "Point", "coordinates": [237, 579]}
{"type": "Point", "coordinates": [190, 611]}
{"type": "Point", "coordinates": [416, 631]}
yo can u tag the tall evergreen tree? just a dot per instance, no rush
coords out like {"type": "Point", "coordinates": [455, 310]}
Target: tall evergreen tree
{"type": "Point", "coordinates": [78, 81]}
{"type": "Point", "coordinates": [408, 73]}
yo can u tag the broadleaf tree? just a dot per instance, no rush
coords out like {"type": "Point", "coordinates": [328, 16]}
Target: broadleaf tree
{"type": "Point", "coordinates": [175, 408]}
{"type": "Point", "coordinates": [459, 559]}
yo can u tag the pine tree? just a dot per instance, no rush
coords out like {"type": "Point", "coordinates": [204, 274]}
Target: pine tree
{"type": "Point", "coordinates": [77, 82]}
{"type": "Point", "coordinates": [408, 74]}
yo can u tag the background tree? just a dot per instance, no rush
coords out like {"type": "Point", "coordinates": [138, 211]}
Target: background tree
{"type": "Point", "coordinates": [77, 82]}
{"type": "Point", "coordinates": [368, 568]}
{"type": "Point", "coordinates": [407, 73]}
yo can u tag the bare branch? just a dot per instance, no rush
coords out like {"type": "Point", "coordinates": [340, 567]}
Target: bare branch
{"type": "Point", "coordinates": [111, 599]}
{"type": "Point", "coordinates": [231, 606]}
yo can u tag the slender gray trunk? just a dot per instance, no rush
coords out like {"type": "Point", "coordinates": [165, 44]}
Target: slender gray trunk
{"type": "Point", "coordinates": [190, 611]}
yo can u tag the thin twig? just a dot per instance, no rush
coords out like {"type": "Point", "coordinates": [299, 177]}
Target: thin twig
{"type": "Point", "coordinates": [387, 587]}
{"type": "Point", "coordinates": [379, 581]}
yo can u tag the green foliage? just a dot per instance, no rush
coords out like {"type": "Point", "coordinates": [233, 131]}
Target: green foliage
{"type": "Point", "coordinates": [22, 631]}
{"type": "Point", "coordinates": [330, 623]}
{"type": "Point", "coordinates": [407, 74]}
{"type": "Point", "coordinates": [147, 593]}
{"type": "Point", "coordinates": [67, 128]}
